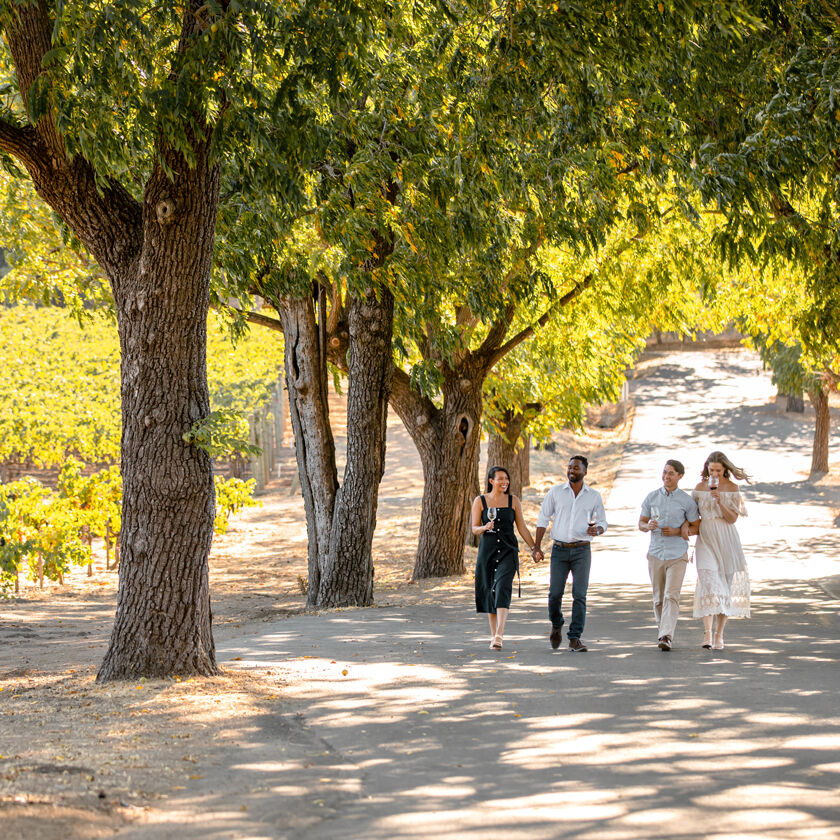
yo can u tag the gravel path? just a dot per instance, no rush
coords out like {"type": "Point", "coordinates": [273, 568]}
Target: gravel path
{"type": "Point", "coordinates": [427, 733]}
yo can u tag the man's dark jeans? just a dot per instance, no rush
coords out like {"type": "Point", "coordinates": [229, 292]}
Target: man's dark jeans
{"type": "Point", "coordinates": [577, 561]}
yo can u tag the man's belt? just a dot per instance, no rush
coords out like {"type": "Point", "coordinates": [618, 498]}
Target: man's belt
{"type": "Point", "coordinates": [578, 544]}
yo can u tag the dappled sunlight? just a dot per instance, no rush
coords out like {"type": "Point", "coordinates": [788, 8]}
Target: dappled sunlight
{"type": "Point", "coordinates": [733, 763]}
{"type": "Point", "coordinates": [437, 735]}
{"type": "Point", "coordinates": [621, 742]}
{"type": "Point", "coordinates": [814, 742]}
{"type": "Point", "coordinates": [570, 807]}
{"type": "Point", "coordinates": [776, 795]}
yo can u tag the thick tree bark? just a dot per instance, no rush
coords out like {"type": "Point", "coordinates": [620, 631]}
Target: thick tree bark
{"type": "Point", "coordinates": [447, 440]}
{"type": "Point", "coordinates": [340, 519]}
{"type": "Point", "coordinates": [795, 403]}
{"type": "Point", "coordinates": [470, 538]}
{"type": "Point", "coordinates": [522, 462]}
{"type": "Point", "coordinates": [511, 449]}
{"type": "Point", "coordinates": [306, 382]}
{"type": "Point", "coordinates": [163, 620]}
{"type": "Point", "coordinates": [347, 575]}
{"type": "Point", "coordinates": [822, 430]}
{"type": "Point", "coordinates": [503, 449]}
{"type": "Point", "coordinates": [157, 257]}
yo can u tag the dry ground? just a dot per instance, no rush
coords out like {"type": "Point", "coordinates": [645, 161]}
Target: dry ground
{"type": "Point", "coordinates": [79, 760]}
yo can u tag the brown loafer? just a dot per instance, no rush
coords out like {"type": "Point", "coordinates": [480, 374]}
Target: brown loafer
{"type": "Point", "coordinates": [554, 637]}
{"type": "Point", "coordinates": [665, 643]}
{"type": "Point", "coordinates": [577, 646]}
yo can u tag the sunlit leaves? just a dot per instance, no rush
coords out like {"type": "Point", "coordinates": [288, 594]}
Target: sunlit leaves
{"type": "Point", "coordinates": [60, 387]}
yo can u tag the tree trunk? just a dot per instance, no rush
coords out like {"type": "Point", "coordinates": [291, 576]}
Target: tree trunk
{"type": "Point", "coordinates": [504, 447]}
{"type": "Point", "coordinates": [447, 440]}
{"type": "Point", "coordinates": [795, 403]}
{"type": "Point", "coordinates": [470, 538]}
{"type": "Point", "coordinates": [340, 520]}
{"type": "Point", "coordinates": [306, 382]}
{"type": "Point", "coordinates": [163, 621]}
{"type": "Point", "coordinates": [347, 575]}
{"type": "Point", "coordinates": [822, 428]}
{"type": "Point", "coordinates": [522, 463]}
{"type": "Point", "coordinates": [157, 257]}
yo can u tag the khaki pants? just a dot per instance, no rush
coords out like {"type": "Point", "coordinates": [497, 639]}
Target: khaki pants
{"type": "Point", "coordinates": [666, 577]}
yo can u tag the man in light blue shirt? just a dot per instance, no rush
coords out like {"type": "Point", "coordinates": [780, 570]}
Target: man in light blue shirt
{"type": "Point", "coordinates": [668, 513]}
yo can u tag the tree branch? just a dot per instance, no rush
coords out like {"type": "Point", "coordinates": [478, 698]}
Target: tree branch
{"type": "Point", "coordinates": [256, 318]}
{"type": "Point", "coordinates": [415, 410]}
{"type": "Point", "coordinates": [496, 333]}
{"type": "Point", "coordinates": [502, 351]}
{"type": "Point", "coordinates": [108, 222]}
{"type": "Point", "coordinates": [19, 141]}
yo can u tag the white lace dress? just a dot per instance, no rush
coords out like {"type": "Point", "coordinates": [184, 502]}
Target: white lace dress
{"type": "Point", "coordinates": [723, 582]}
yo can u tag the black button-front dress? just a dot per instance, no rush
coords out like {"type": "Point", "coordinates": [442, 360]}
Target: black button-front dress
{"type": "Point", "coordinates": [498, 560]}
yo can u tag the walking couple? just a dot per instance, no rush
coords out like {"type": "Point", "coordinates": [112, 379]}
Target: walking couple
{"type": "Point", "coordinates": [576, 513]}
{"type": "Point", "coordinates": [671, 515]}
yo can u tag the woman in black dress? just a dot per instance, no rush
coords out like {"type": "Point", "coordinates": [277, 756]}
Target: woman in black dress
{"type": "Point", "coordinates": [493, 517]}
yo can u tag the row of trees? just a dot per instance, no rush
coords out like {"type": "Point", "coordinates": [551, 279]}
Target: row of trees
{"type": "Point", "coordinates": [417, 190]}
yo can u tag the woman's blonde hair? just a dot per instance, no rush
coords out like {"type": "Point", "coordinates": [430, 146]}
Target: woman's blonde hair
{"type": "Point", "coordinates": [728, 467]}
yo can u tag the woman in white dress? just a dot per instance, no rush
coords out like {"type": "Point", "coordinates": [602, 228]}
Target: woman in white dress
{"type": "Point", "coordinates": [723, 583]}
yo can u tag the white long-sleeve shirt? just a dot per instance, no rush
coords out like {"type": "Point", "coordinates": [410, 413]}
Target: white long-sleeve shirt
{"type": "Point", "coordinates": [569, 514]}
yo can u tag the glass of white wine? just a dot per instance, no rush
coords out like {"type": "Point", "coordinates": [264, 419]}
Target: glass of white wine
{"type": "Point", "coordinates": [491, 516]}
{"type": "Point", "coordinates": [654, 518]}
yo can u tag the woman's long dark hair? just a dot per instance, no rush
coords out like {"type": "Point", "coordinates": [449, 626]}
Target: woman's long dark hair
{"type": "Point", "coordinates": [728, 467]}
{"type": "Point", "coordinates": [491, 473]}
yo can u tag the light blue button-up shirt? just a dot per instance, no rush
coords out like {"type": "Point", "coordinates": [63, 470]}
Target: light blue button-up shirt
{"type": "Point", "coordinates": [675, 508]}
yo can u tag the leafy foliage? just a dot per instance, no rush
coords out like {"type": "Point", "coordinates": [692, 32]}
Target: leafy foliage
{"type": "Point", "coordinates": [763, 127]}
{"type": "Point", "coordinates": [232, 494]}
{"type": "Point", "coordinates": [222, 433]}
{"type": "Point", "coordinates": [60, 397]}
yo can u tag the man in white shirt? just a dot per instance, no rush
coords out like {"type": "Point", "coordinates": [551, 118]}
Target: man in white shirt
{"type": "Point", "coordinates": [668, 513]}
{"type": "Point", "coordinates": [577, 514]}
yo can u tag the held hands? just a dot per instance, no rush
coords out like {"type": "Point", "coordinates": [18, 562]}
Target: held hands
{"type": "Point", "coordinates": [536, 554]}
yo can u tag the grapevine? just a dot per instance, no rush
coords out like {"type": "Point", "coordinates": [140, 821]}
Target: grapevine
{"type": "Point", "coordinates": [60, 409]}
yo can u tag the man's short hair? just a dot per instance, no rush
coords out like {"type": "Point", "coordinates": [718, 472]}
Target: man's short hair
{"type": "Point", "coordinates": [677, 465]}
{"type": "Point", "coordinates": [582, 458]}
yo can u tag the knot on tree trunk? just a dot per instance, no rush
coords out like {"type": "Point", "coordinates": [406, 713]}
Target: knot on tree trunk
{"type": "Point", "coordinates": [165, 211]}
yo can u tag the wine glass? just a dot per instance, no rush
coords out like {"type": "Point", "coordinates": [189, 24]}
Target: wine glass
{"type": "Point", "coordinates": [713, 481]}
{"type": "Point", "coordinates": [654, 517]}
{"type": "Point", "coordinates": [592, 518]}
{"type": "Point", "coordinates": [491, 516]}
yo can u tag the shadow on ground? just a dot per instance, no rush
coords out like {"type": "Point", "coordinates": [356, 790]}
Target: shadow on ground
{"type": "Point", "coordinates": [426, 732]}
